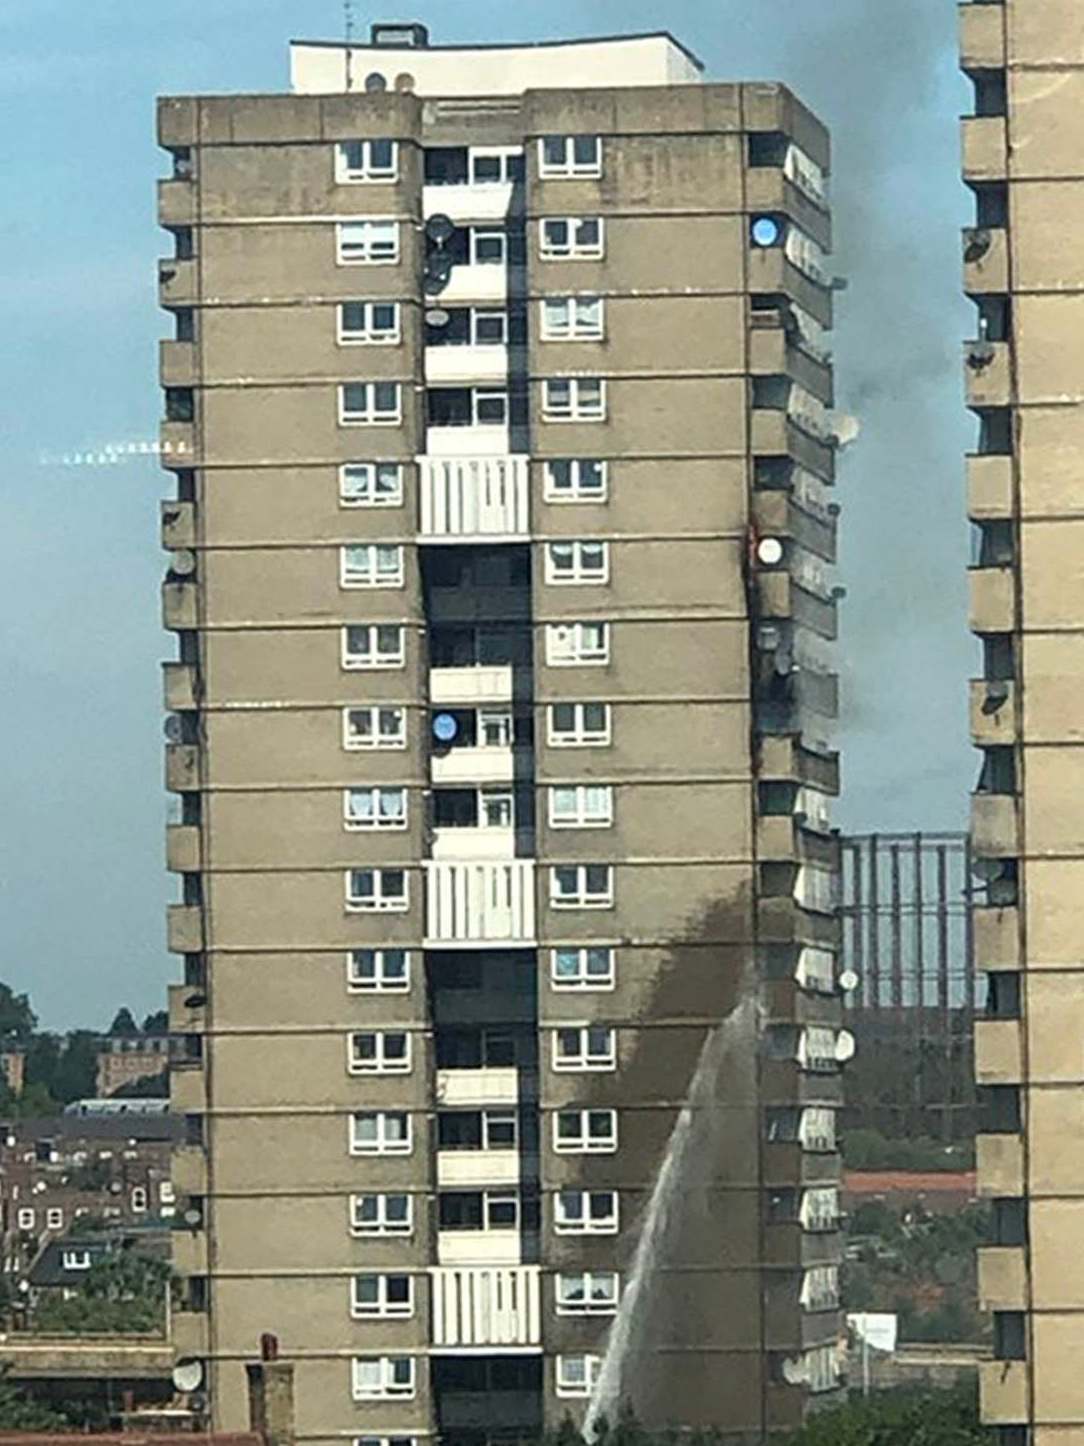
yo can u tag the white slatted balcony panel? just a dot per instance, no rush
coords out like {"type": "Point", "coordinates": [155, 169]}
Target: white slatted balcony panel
{"type": "Point", "coordinates": [480, 903]}
{"type": "Point", "coordinates": [468, 498]}
{"type": "Point", "coordinates": [487, 1308]}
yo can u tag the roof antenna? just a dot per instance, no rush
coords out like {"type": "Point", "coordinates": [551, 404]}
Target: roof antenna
{"type": "Point", "coordinates": [348, 23]}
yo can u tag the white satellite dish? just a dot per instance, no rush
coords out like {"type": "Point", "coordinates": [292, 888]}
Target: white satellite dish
{"type": "Point", "coordinates": [770, 551]}
{"type": "Point", "coordinates": [188, 1374]}
{"type": "Point", "coordinates": [183, 562]}
{"type": "Point", "coordinates": [849, 981]}
{"type": "Point", "coordinates": [845, 1046]}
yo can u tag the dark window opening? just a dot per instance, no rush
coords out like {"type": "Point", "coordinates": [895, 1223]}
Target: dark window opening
{"type": "Point", "coordinates": [995, 432]}
{"type": "Point", "coordinates": [1010, 1335]}
{"type": "Point", "coordinates": [998, 772]}
{"type": "Point", "coordinates": [767, 148]}
{"type": "Point", "coordinates": [991, 92]}
{"type": "Point", "coordinates": [1010, 1222]}
{"type": "Point", "coordinates": [180, 404]}
{"type": "Point", "coordinates": [1000, 1106]}
{"type": "Point", "coordinates": [992, 205]}
{"type": "Point", "coordinates": [1003, 994]}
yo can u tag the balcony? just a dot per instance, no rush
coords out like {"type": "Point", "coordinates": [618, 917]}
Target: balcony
{"type": "Point", "coordinates": [187, 1089]}
{"type": "Point", "coordinates": [180, 605]}
{"type": "Point", "coordinates": [989, 487]}
{"type": "Point", "coordinates": [477, 1088]}
{"type": "Point", "coordinates": [474, 499]}
{"type": "Point", "coordinates": [993, 713]}
{"type": "Point", "coordinates": [987, 373]}
{"type": "Point", "coordinates": [1002, 1278]}
{"type": "Point", "coordinates": [457, 439]}
{"type": "Point", "coordinates": [997, 938]}
{"type": "Point", "coordinates": [177, 363]}
{"type": "Point", "coordinates": [188, 1170]}
{"type": "Point", "coordinates": [483, 1308]}
{"type": "Point", "coordinates": [477, 904]}
{"type": "Point", "coordinates": [468, 202]}
{"type": "Point", "coordinates": [1004, 1398]}
{"type": "Point", "coordinates": [187, 1009]}
{"type": "Point", "coordinates": [982, 37]}
{"type": "Point", "coordinates": [984, 141]}
{"type": "Point", "coordinates": [182, 767]}
{"type": "Point", "coordinates": [993, 599]}
{"type": "Point", "coordinates": [473, 765]}
{"type": "Point", "coordinates": [775, 837]}
{"type": "Point", "coordinates": [481, 283]}
{"type": "Point", "coordinates": [176, 202]}
{"type": "Point", "coordinates": [994, 828]}
{"type": "Point", "coordinates": [463, 844]}
{"type": "Point", "coordinates": [182, 848]}
{"type": "Point", "coordinates": [474, 1169]}
{"type": "Point", "coordinates": [184, 928]}
{"type": "Point", "coordinates": [999, 1164]}
{"type": "Point", "coordinates": [177, 444]}
{"type": "Point", "coordinates": [179, 687]}
{"type": "Point", "coordinates": [178, 525]}
{"type": "Point", "coordinates": [176, 282]}
{"type": "Point", "coordinates": [190, 1333]}
{"type": "Point", "coordinates": [479, 1247]}
{"type": "Point", "coordinates": [188, 1252]}
{"type": "Point", "coordinates": [455, 687]}
{"type": "Point", "coordinates": [986, 261]}
{"type": "Point", "coordinates": [998, 1051]}
{"type": "Point", "coordinates": [451, 365]}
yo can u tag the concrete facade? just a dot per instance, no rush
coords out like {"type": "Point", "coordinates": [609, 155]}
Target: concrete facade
{"type": "Point", "coordinates": [1023, 270]}
{"type": "Point", "coordinates": [502, 729]}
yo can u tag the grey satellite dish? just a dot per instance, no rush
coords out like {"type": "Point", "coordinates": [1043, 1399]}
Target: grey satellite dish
{"type": "Point", "coordinates": [849, 981]}
{"type": "Point", "coordinates": [845, 1046]}
{"type": "Point", "coordinates": [433, 285]}
{"type": "Point", "coordinates": [440, 229]}
{"type": "Point", "coordinates": [173, 728]}
{"type": "Point", "coordinates": [987, 869]}
{"type": "Point", "coordinates": [437, 316]}
{"type": "Point", "coordinates": [188, 1374]}
{"type": "Point", "coordinates": [193, 1218]}
{"type": "Point", "coordinates": [183, 562]}
{"type": "Point", "coordinates": [375, 82]}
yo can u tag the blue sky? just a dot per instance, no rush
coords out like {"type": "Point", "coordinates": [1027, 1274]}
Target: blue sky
{"type": "Point", "coordinates": [82, 884]}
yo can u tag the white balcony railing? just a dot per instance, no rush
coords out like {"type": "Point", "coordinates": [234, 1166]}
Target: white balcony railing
{"type": "Point", "coordinates": [473, 1169]}
{"type": "Point", "coordinates": [485, 281]}
{"type": "Point", "coordinates": [468, 844]}
{"type": "Point", "coordinates": [467, 498]}
{"type": "Point", "coordinates": [468, 201]}
{"type": "Point", "coordinates": [487, 1308]}
{"type": "Point", "coordinates": [477, 1088]}
{"type": "Point", "coordinates": [480, 903]}
{"type": "Point", "coordinates": [473, 765]}
{"type": "Point", "coordinates": [463, 686]}
{"type": "Point", "coordinates": [460, 365]}
{"type": "Point", "coordinates": [479, 1247]}
{"type": "Point", "coordinates": [486, 439]}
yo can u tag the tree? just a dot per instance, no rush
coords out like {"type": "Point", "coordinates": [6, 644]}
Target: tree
{"type": "Point", "coordinates": [42, 1058]}
{"type": "Point", "coordinates": [18, 1412]}
{"type": "Point", "coordinates": [76, 1075]}
{"type": "Point", "coordinates": [123, 1022]}
{"type": "Point", "coordinates": [17, 1019]}
{"type": "Point", "coordinates": [123, 1294]}
{"type": "Point", "coordinates": [899, 1418]}
{"type": "Point", "coordinates": [157, 1023]}
{"type": "Point", "coordinates": [149, 1087]}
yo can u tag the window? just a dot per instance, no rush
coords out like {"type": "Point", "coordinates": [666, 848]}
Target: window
{"type": "Point", "coordinates": [370, 404]}
{"type": "Point", "coordinates": [166, 1193]}
{"type": "Point", "coordinates": [373, 1296]}
{"type": "Point", "coordinates": [585, 1212]}
{"type": "Point", "coordinates": [581, 805]}
{"type": "Point", "coordinates": [481, 1210]}
{"type": "Point", "coordinates": [578, 725]}
{"type": "Point", "coordinates": [75, 1259]}
{"type": "Point", "coordinates": [572, 318]}
{"type": "Point", "coordinates": [571, 238]}
{"type": "Point", "coordinates": [373, 645]}
{"type": "Point", "coordinates": [577, 1375]}
{"type": "Point", "coordinates": [375, 808]}
{"type": "Point", "coordinates": [366, 243]}
{"type": "Point", "coordinates": [371, 564]}
{"type": "Point", "coordinates": [583, 968]}
{"type": "Point", "coordinates": [26, 1219]}
{"type": "Point", "coordinates": [585, 1047]}
{"type": "Point", "coordinates": [587, 1292]}
{"type": "Point", "coordinates": [139, 1198]}
{"type": "Point", "coordinates": [488, 328]}
{"type": "Point", "coordinates": [385, 971]}
{"type": "Point", "coordinates": [377, 890]}
{"type": "Point", "coordinates": [500, 1130]}
{"type": "Point", "coordinates": [564, 156]}
{"type": "Point", "coordinates": [374, 728]}
{"type": "Point", "coordinates": [368, 323]}
{"type": "Point", "coordinates": [495, 167]}
{"type": "Point", "coordinates": [574, 399]}
{"type": "Point", "coordinates": [376, 160]}
{"type": "Point", "coordinates": [385, 1441]}
{"type": "Point", "coordinates": [378, 1052]}
{"type": "Point", "coordinates": [577, 562]}
{"type": "Point", "coordinates": [578, 479]}
{"type": "Point", "coordinates": [488, 245]}
{"type": "Point", "coordinates": [381, 1215]}
{"type": "Point", "coordinates": [575, 644]}
{"type": "Point", "coordinates": [371, 484]}
{"type": "Point", "coordinates": [494, 729]}
{"type": "Point", "coordinates": [585, 1132]}
{"type": "Point", "coordinates": [380, 1132]}
{"type": "Point", "coordinates": [496, 808]}
{"type": "Point", "coordinates": [581, 886]}
{"type": "Point", "coordinates": [379, 1378]}
{"type": "Point", "coordinates": [54, 1219]}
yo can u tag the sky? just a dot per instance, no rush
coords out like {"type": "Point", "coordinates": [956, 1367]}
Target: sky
{"type": "Point", "coordinates": [83, 891]}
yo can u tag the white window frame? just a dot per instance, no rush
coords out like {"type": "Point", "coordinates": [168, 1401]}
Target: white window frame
{"type": "Point", "coordinates": [368, 172]}
{"type": "Point", "coordinates": [371, 245]}
{"type": "Point", "coordinates": [580, 805]}
{"type": "Point", "coordinates": [479, 312]}
{"type": "Point", "coordinates": [393, 1384]}
{"type": "Point", "coordinates": [383, 1145]}
{"type": "Point", "coordinates": [604, 1305]}
{"type": "Point", "coordinates": [377, 902]}
{"type": "Point", "coordinates": [368, 334]}
{"type": "Point", "coordinates": [380, 982]}
{"type": "Point", "coordinates": [369, 475]}
{"type": "Point", "coordinates": [500, 1197]}
{"type": "Point", "coordinates": [373, 658]}
{"type": "Point", "coordinates": [585, 1143]}
{"type": "Point", "coordinates": [480, 394]}
{"type": "Point", "coordinates": [381, 1063]}
{"type": "Point", "coordinates": [504, 154]}
{"type": "Point", "coordinates": [501, 1118]}
{"type": "Point", "coordinates": [578, 407]}
{"type": "Point", "coordinates": [500, 720]}
{"type": "Point", "coordinates": [487, 232]}
{"type": "Point", "coordinates": [585, 1223]}
{"type": "Point", "coordinates": [382, 1224]}
{"type": "Point", "coordinates": [586, 1058]}
{"type": "Point", "coordinates": [567, 645]}
{"type": "Point", "coordinates": [377, 738]}
{"type": "Point", "coordinates": [385, 1441]}
{"type": "Point", "coordinates": [380, 815]}
{"type": "Point", "coordinates": [550, 169]}
{"type": "Point", "coordinates": [582, 981]}
{"type": "Point", "coordinates": [25, 1219]}
{"type": "Point", "coordinates": [576, 491]}
{"type": "Point", "coordinates": [380, 564]}
{"type": "Point", "coordinates": [580, 734]}
{"type": "Point", "coordinates": [368, 415]}
{"type": "Point", "coordinates": [54, 1218]}
{"type": "Point", "coordinates": [580, 573]}
{"type": "Point", "coordinates": [166, 1193]}
{"type": "Point", "coordinates": [579, 317]}
{"type": "Point", "coordinates": [578, 1388]}
{"type": "Point", "coordinates": [571, 250]}
{"type": "Point", "coordinates": [582, 899]}
{"type": "Point", "coordinates": [382, 1308]}
{"type": "Point", "coordinates": [76, 1259]}
{"type": "Point", "coordinates": [139, 1198]}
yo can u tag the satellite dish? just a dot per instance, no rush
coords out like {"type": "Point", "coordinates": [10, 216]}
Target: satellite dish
{"type": "Point", "coordinates": [188, 1374]}
{"type": "Point", "coordinates": [434, 285]}
{"type": "Point", "coordinates": [173, 728]}
{"type": "Point", "coordinates": [845, 1046]}
{"type": "Point", "coordinates": [445, 728]}
{"type": "Point", "coordinates": [766, 231]}
{"type": "Point", "coordinates": [437, 316]}
{"type": "Point", "coordinates": [404, 82]}
{"type": "Point", "coordinates": [375, 82]}
{"type": "Point", "coordinates": [193, 1218]}
{"type": "Point", "coordinates": [183, 562]}
{"type": "Point", "coordinates": [795, 1371]}
{"type": "Point", "coordinates": [770, 551]}
{"type": "Point", "coordinates": [987, 869]}
{"type": "Point", "coordinates": [849, 981]}
{"type": "Point", "coordinates": [440, 229]}
{"type": "Point", "coordinates": [195, 1001]}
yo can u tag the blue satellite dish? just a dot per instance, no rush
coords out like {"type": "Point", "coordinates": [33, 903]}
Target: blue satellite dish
{"type": "Point", "coordinates": [444, 727]}
{"type": "Point", "coordinates": [766, 231]}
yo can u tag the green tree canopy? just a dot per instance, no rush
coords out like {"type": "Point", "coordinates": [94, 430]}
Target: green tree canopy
{"type": "Point", "coordinates": [157, 1023]}
{"type": "Point", "coordinates": [17, 1019]}
{"type": "Point", "coordinates": [123, 1022]}
{"type": "Point", "coordinates": [76, 1074]}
